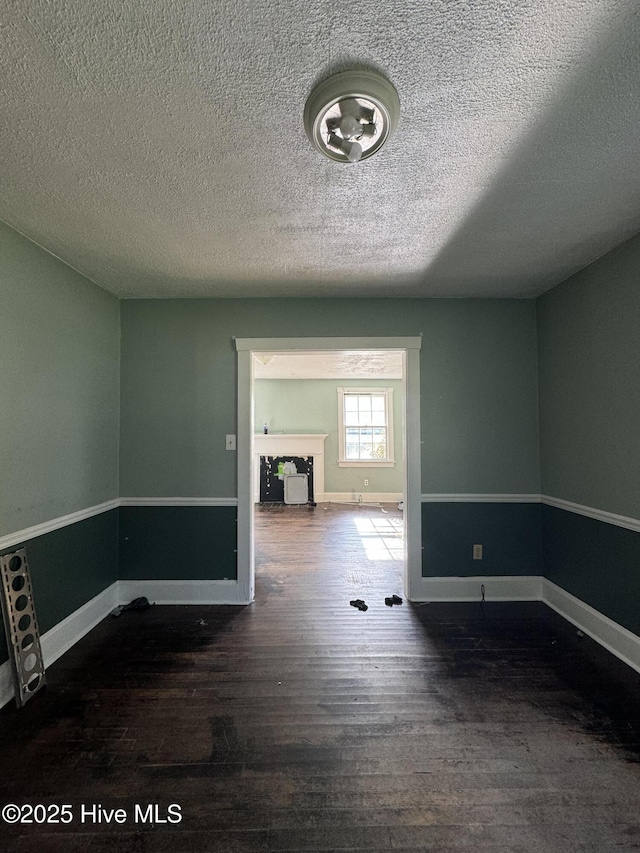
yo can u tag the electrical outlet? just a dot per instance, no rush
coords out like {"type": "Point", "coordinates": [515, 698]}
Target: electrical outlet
{"type": "Point", "coordinates": [366, 482]}
{"type": "Point", "coordinates": [477, 552]}
{"type": "Point", "coordinates": [230, 443]}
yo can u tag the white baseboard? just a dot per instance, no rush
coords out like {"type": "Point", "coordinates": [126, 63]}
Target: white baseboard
{"type": "Point", "coordinates": [621, 642]}
{"type": "Point", "coordinates": [618, 640]}
{"type": "Point", "coordinates": [64, 635]}
{"type": "Point", "coordinates": [496, 588]}
{"type": "Point", "coordinates": [182, 592]}
{"type": "Point", "coordinates": [614, 637]}
{"type": "Point", "coordinates": [367, 497]}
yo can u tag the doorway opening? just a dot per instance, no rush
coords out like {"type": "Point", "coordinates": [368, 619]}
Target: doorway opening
{"type": "Point", "coordinates": [254, 358]}
{"type": "Point", "coordinates": [328, 471]}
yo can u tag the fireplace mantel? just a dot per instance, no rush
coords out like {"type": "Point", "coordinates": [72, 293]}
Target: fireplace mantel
{"type": "Point", "coordinates": [291, 444]}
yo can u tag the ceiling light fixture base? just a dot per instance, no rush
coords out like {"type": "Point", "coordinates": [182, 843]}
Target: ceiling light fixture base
{"type": "Point", "coordinates": [351, 115]}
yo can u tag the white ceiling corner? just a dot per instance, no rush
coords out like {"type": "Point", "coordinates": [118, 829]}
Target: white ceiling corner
{"type": "Point", "coordinates": [159, 148]}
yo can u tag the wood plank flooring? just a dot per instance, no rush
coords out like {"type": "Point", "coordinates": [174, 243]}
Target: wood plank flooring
{"type": "Point", "coordinates": [302, 724]}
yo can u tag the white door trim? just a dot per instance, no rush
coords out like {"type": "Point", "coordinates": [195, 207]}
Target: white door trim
{"type": "Point", "coordinates": [410, 346]}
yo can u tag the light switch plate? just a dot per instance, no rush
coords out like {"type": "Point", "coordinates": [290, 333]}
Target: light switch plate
{"type": "Point", "coordinates": [230, 442]}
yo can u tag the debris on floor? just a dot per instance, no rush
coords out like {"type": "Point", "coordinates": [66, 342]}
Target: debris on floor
{"type": "Point", "coordinates": [359, 603]}
{"type": "Point", "coordinates": [392, 599]}
{"type": "Point", "coordinates": [139, 604]}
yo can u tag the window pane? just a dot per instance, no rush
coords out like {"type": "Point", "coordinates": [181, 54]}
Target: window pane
{"type": "Point", "coordinates": [366, 451]}
{"type": "Point", "coordinates": [379, 444]}
{"type": "Point", "coordinates": [365, 427]}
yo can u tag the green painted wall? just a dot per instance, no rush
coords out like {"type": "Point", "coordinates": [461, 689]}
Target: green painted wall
{"type": "Point", "coordinates": [69, 567]}
{"type": "Point", "coordinates": [178, 386]}
{"type": "Point", "coordinates": [589, 368]}
{"type": "Point", "coordinates": [589, 355]}
{"type": "Point", "coordinates": [486, 367]}
{"type": "Point", "coordinates": [311, 405]}
{"type": "Point", "coordinates": [595, 561]}
{"type": "Point", "coordinates": [175, 542]}
{"type": "Point", "coordinates": [59, 393]}
{"type": "Point", "coordinates": [59, 387]}
{"type": "Point", "coordinates": [509, 533]}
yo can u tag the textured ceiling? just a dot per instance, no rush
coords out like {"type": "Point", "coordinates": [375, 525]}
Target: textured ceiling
{"type": "Point", "coordinates": [159, 147]}
{"type": "Point", "coordinates": [328, 365]}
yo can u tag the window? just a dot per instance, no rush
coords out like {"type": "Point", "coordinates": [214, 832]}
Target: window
{"type": "Point", "coordinates": [366, 427]}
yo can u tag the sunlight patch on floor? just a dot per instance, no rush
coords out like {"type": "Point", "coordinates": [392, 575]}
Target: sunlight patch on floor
{"type": "Point", "coordinates": [381, 538]}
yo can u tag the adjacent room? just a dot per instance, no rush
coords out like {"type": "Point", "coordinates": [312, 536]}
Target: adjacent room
{"type": "Point", "coordinates": [331, 422]}
{"type": "Point", "coordinates": [320, 404]}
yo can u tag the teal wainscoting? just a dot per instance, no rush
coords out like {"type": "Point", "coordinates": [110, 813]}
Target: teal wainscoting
{"type": "Point", "coordinates": [597, 562]}
{"type": "Point", "coordinates": [508, 532]}
{"type": "Point", "coordinates": [69, 567]}
{"type": "Point", "coordinates": [178, 542]}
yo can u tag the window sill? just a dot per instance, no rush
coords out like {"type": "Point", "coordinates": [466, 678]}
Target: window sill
{"type": "Point", "coordinates": [370, 463]}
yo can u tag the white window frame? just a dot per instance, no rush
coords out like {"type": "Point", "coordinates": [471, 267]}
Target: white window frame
{"type": "Point", "coordinates": [343, 462]}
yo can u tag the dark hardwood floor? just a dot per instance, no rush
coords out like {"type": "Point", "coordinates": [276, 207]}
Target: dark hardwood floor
{"type": "Point", "coordinates": [303, 724]}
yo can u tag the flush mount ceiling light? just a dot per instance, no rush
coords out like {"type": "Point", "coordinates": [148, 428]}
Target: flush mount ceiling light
{"type": "Point", "coordinates": [351, 115]}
